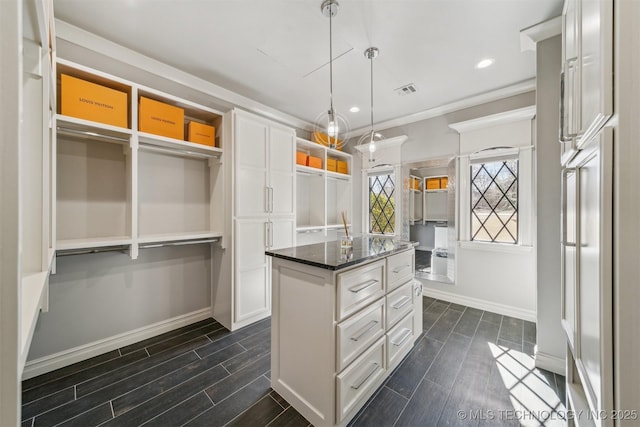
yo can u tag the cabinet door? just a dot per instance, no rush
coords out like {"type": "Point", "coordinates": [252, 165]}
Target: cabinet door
{"type": "Point", "coordinates": [251, 151]}
{"type": "Point", "coordinates": [252, 290]}
{"type": "Point", "coordinates": [571, 69]}
{"type": "Point", "coordinates": [594, 295]}
{"type": "Point", "coordinates": [569, 255]}
{"type": "Point", "coordinates": [282, 171]}
{"type": "Point", "coordinates": [282, 233]}
{"type": "Point", "coordinates": [596, 69]}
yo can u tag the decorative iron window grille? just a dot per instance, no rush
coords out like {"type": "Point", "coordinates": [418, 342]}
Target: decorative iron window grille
{"type": "Point", "coordinates": [494, 201]}
{"type": "Point", "coordinates": [382, 211]}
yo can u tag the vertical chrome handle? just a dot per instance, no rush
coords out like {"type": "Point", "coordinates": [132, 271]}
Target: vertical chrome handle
{"type": "Point", "coordinates": [266, 234]}
{"type": "Point", "coordinates": [364, 380]}
{"type": "Point", "coordinates": [266, 199]}
{"type": "Point", "coordinates": [270, 234]}
{"type": "Point", "coordinates": [562, 134]}
{"type": "Point", "coordinates": [270, 199]}
{"type": "Point", "coordinates": [369, 326]}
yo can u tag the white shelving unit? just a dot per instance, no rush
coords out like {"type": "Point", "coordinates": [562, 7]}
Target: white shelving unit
{"type": "Point", "coordinates": [321, 195]}
{"type": "Point", "coordinates": [435, 201]}
{"type": "Point", "coordinates": [415, 199]}
{"type": "Point", "coordinates": [123, 187]}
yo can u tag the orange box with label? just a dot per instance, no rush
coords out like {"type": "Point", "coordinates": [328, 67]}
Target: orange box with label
{"type": "Point", "coordinates": [301, 158]}
{"type": "Point", "coordinates": [343, 167]}
{"type": "Point", "coordinates": [201, 134]}
{"type": "Point", "coordinates": [433, 184]}
{"type": "Point", "coordinates": [332, 165]}
{"type": "Point", "coordinates": [444, 183]}
{"type": "Point", "coordinates": [314, 162]}
{"type": "Point", "coordinates": [161, 119]}
{"type": "Point", "coordinates": [90, 101]}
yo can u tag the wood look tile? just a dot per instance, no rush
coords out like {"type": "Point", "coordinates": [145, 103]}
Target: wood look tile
{"type": "Point", "coordinates": [275, 396]}
{"type": "Point", "coordinates": [445, 367]}
{"type": "Point", "coordinates": [487, 331]}
{"type": "Point", "coordinates": [254, 353]}
{"type": "Point", "coordinates": [289, 418]}
{"type": "Point", "coordinates": [487, 316]}
{"type": "Point", "coordinates": [45, 404]}
{"type": "Point", "coordinates": [93, 417]}
{"type": "Point", "coordinates": [406, 378]}
{"type": "Point", "coordinates": [225, 338]}
{"type": "Point", "coordinates": [511, 329]}
{"type": "Point", "coordinates": [426, 302]}
{"type": "Point", "coordinates": [510, 345]}
{"type": "Point", "coordinates": [27, 423]}
{"type": "Point", "coordinates": [183, 338]}
{"type": "Point", "coordinates": [259, 414]}
{"type": "Point", "coordinates": [561, 386]}
{"type": "Point", "coordinates": [445, 324]}
{"type": "Point", "coordinates": [468, 322]}
{"type": "Point", "coordinates": [529, 332]}
{"type": "Point", "coordinates": [236, 381]}
{"type": "Point", "coordinates": [458, 307]}
{"type": "Point", "coordinates": [383, 409]}
{"type": "Point", "coordinates": [167, 335]}
{"type": "Point", "coordinates": [183, 412]}
{"type": "Point", "coordinates": [496, 401]}
{"type": "Point", "coordinates": [425, 406]}
{"type": "Point", "coordinates": [234, 405]}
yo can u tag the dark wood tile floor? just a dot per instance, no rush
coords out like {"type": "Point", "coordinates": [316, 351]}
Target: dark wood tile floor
{"type": "Point", "coordinates": [467, 360]}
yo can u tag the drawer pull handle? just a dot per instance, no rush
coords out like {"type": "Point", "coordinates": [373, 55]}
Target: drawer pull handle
{"type": "Point", "coordinates": [401, 302]}
{"type": "Point", "coordinates": [401, 268]}
{"type": "Point", "coordinates": [364, 380]}
{"type": "Point", "coordinates": [364, 330]}
{"type": "Point", "coordinates": [405, 337]}
{"type": "Point", "coordinates": [363, 286]}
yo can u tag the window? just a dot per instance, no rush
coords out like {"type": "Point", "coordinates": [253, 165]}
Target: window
{"type": "Point", "coordinates": [494, 201]}
{"type": "Point", "coordinates": [382, 204]}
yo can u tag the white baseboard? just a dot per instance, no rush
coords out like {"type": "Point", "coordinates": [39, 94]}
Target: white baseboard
{"type": "Point", "coordinates": [550, 363]}
{"type": "Point", "coordinates": [480, 304]}
{"type": "Point", "coordinates": [40, 366]}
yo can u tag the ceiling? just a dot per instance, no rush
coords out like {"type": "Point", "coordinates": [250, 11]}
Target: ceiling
{"type": "Point", "coordinates": [277, 51]}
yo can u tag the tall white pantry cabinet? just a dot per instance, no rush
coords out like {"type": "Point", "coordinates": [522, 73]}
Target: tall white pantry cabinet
{"type": "Point", "coordinates": [264, 211]}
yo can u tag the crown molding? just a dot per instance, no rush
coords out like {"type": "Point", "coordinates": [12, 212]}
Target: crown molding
{"type": "Point", "coordinates": [525, 113]}
{"type": "Point", "coordinates": [472, 101]}
{"type": "Point", "coordinates": [396, 141]}
{"type": "Point", "coordinates": [530, 36]}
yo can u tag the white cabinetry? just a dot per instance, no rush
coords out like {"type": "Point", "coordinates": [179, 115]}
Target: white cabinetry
{"type": "Point", "coordinates": [264, 210]}
{"type": "Point", "coordinates": [416, 199]}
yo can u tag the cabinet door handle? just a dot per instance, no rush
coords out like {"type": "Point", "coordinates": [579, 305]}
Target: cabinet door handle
{"type": "Point", "coordinates": [402, 302]}
{"type": "Point", "coordinates": [401, 268]}
{"type": "Point", "coordinates": [266, 235]}
{"type": "Point", "coordinates": [369, 326]}
{"type": "Point", "coordinates": [266, 199]}
{"type": "Point", "coordinates": [364, 380]}
{"type": "Point", "coordinates": [405, 337]}
{"type": "Point", "coordinates": [270, 199]}
{"type": "Point", "coordinates": [270, 234]}
{"type": "Point", "coordinates": [563, 136]}
{"type": "Point", "coordinates": [363, 286]}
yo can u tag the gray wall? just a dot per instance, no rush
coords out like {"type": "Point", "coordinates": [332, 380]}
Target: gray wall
{"type": "Point", "coordinates": [550, 334]}
{"type": "Point", "coordinates": [97, 296]}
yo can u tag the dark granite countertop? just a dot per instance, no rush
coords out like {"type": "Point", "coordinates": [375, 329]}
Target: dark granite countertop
{"type": "Point", "coordinates": [330, 256]}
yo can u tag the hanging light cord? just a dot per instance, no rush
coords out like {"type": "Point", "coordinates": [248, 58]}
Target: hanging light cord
{"type": "Point", "coordinates": [330, 58]}
{"type": "Point", "coordinates": [371, 60]}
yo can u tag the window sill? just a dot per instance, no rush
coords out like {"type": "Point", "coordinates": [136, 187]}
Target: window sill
{"type": "Point", "coordinates": [495, 247]}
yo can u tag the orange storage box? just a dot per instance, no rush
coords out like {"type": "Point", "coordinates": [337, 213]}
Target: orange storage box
{"type": "Point", "coordinates": [90, 101]}
{"type": "Point", "coordinates": [201, 134]}
{"type": "Point", "coordinates": [444, 182]}
{"type": "Point", "coordinates": [433, 184]}
{"type": "Point", "coordinates": [332, 165]}
{"type": "Point", "coordinates": [161, 119]}
{"type": "Point", "coordinates": [343, 167]}
{"type": "Point", "coordinates": [323, 139]}
{"type": "Point", "coordinates": [301, 158]}
{"type": "Point", "coordinates": [314, 162]}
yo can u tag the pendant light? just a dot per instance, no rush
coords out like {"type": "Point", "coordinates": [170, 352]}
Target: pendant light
{"type": "Point", "coordinates": [372, 136]}
{"type": "Point", "coordinates": [334, 125]}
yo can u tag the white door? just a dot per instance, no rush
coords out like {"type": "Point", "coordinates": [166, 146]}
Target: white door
{"type": "Point", "coordinates": [569, 254]}
{"type": "Point", "coordinates": [282, 233]}
{"type": "Point", "coordinates": [251, 151]}
{"type": "Point", "coordinates": [282, 171]}
{"type": "Point", "coordinates": [252, 290]}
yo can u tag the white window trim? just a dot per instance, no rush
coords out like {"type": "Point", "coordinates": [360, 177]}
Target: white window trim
{"type": "Point", "coordinates": [525, 198]}
{"type": "Point", "coordinates": [382, 170]}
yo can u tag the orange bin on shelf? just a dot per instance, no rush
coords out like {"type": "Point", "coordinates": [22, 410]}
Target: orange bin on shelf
{"type": "Point", "coordinates": [332, 165]}
{"type": "Point", "coordinates": [433, 184]}
{"type": "Point", "coordinates": [90, 101]}
{"type": "Point", "coordinates": [161, 119]}
{"type": "Point", "coordinates": [314, 162]}
{"type": "Point", "coordinates": [444, 182]}
{"type": "Point", "coordinates": [301, 158]}
{"type": "Point", "coordinates": [201, 134]}
{"type": "Point", "coordinates": [342, 167]}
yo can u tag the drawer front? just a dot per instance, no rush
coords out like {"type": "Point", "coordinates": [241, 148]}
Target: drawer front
{"type": "Point", "coordinates": [400, 341]}
{"type": "Point", "coordinates": [399, 303]}
{"type": "Point", "coordinates": [358, 332]}
{"type": "Point", "coordinates": [360, 380]}
{"type": "Point", "coordinates": [359, 287]}
{"type": "Point", "coordinates": [400, 268]}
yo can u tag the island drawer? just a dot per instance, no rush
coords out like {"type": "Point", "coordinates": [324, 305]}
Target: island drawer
{"type": "Point", "coordinates": [358, 287]}
{"type": "Point", "coordinates": [359, 381]}
{"type": "Point", "coordinates": [399, 303]}
{"type": "Point", "coordinates": [358, 332]}
{"type": "Point", "coordinates": [400, 341]}
{"type": "Point", "coordinates": [400, 268]}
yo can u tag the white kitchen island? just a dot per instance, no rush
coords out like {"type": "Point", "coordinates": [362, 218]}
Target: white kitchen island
{"type": "Point", "coordinates": [341, 323]}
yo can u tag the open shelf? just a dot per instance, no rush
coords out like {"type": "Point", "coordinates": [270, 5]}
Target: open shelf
{"type": "Point", "coordinates": [176, 146]}
{"type": "Point", "coordinates": [86, 129]}
{"type": "Point", "coordinates": [95, 242]}
{"type": "Point", "coordinates": [309, 170]}
{"type": "Point", "coordinates": [337, 175]}
{"type": "Point", "coordinates": [310, 205]}
{"type": "Point", "coordinates": [174, 237]}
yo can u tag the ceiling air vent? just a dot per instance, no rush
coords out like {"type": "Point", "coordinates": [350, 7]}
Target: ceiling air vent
{"type": "Point", "coordinates": [406, 89]}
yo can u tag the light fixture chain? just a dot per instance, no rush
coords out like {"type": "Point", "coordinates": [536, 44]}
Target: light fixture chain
{"type": "Point", "coordinates": [371, 60]}
{"type": "Point", "coordinates": [330, 58]}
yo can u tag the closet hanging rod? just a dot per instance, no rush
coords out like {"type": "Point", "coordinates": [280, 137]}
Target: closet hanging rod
{"type": "Point", "coordinates": [91, 251]}
{"type": "Point", "coordinates": [92, 135]}
{"type": "Point", "coordinates": [175, 152]}
{"type": "Point", "coordinates": [181, 243]}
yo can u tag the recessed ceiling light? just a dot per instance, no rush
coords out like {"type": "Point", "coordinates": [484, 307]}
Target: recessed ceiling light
{"type": "Point", "coordinates": [354, 109]}
{"type": "Point", "coordinates": [487, 62]}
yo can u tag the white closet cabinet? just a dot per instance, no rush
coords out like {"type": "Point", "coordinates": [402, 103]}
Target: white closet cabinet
{"type": "Point", "coordinates": [264, 210]}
